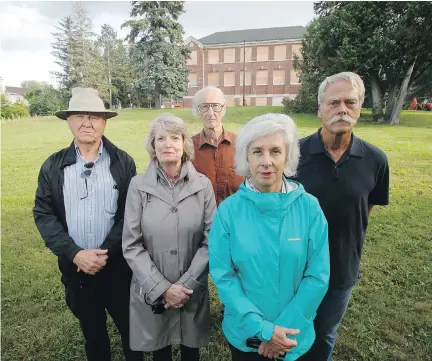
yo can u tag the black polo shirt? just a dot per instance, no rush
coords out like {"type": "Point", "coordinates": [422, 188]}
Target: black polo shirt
{"type": "Point", "coordinates": [345, 190]}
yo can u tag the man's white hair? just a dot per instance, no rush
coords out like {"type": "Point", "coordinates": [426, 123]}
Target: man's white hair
{"type": "Point", "coordinates": [263, 125]}
{"type": "Point", "coordinates": [197, 99]}
{"type": "Point", "coordinates": [353, 78]}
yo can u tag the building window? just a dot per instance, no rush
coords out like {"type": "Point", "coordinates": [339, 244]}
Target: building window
{"type": "Point", "coordinates": [192, 80]}
{"type": "Point", "coordinates": [262, 77]}
{"type": "Point", "coordinates": [262, 53]}
{"type": "Point", "coordinates": [279, 52]}
{"type": "Point", "coordinates": [229, 78]}
{"type": "Point", "coordinates": [296, 50]}
{"type": "Point", "coordinates": [192, 58]}
{"type": "Point", "coordinates": [261, 101]}
{"type": "Point", "coordinates": [213, 79]}
{"type": "Point", "coordinates": [279, 77]}
{"type": "Point", "coordinates": [294, 78]}
{"type": "Point", "coordinates": [229, 55]}
{"type": "Point", "coordinates": [213, 56]}
{"type": "Point", "coordinates": [248, 54]}
{"type": "Point", "coordinates": [247, 79]}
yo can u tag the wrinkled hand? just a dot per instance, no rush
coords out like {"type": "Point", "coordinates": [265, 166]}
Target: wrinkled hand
{"type": "Point", "coordinates": [269, 351]}
{"type": "Point", "coordinates": [91, 261]}
{"type": "Point", "coordinates": [176, 296]}
{"type": "Point", "coordinates": [279, 340]}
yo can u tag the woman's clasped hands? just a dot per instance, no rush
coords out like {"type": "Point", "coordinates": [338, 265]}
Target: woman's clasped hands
{"type": "Point", "coordinates": [176, 296]}
{"type": "Point", "coordinates": [279, 343]}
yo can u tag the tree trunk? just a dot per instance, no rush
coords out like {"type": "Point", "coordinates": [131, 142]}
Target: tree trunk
{"type": "Point", "coordinates": [391, 101]}
{"type": "Point", "coordinates": [157, 101]}
{"type": "Point", "coordinates": [401, 97]}
{"type": "Point", "coordinates": [377, 103]}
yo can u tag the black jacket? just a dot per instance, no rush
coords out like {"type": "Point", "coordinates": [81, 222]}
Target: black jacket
{"type": "Point", "coordinates": [49, 211]}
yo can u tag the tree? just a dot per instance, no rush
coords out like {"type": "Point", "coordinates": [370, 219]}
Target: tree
{"type": "Point", "coordinates": [88, 61]}
{"type": "Point", "coordinates": [43, 99]}
{"type": "Point", "coordinates": [157, 50]}
{"type": "Point", "coordinates": [77, 55]}
{"type": "Point", "coordinates": [117, 65]}
{"type": "Point", "coordinates": [62, 49]}
{"type": "Point", "coordinates": [34, 84]}
{"type": "Point", "coordinates": [380, 41]}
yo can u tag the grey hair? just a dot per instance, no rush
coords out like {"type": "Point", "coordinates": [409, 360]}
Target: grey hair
{"type": "Point", "coordinates": [197, 99]}
{"type": "Point", "coordinates": [263, 125]}
{"type": "Point", "coordinates": [169, 123]}
{"type": "Point", "coordinates": [353, 78]}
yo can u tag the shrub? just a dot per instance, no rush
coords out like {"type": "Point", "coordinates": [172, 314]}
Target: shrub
{"type": "Point", "coordinates": [3, 104]}
{"type": "Point", "coordinates": [15, 110]}
{"type": "Point", "coordinates": [45, 101]}
{"type": "Point", "coordinates": [303, 103]}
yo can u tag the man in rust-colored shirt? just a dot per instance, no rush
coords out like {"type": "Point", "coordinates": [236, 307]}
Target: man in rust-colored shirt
{"type": "Point", "coordinates": [214, 146]}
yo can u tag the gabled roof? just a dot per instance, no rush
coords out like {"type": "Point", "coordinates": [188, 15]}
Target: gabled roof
{"type": "Point", "coordinates": [254, 35]}
{"type": "Point", "coordinates": [16, 90]}
{"type": "Point", "coordinates": [193, 40]}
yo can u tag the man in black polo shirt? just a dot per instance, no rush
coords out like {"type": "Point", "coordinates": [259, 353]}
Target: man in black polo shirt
{"type": "Point", "coordinates": [348, 176]}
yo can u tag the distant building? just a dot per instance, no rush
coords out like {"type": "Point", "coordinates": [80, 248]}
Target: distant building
{"type": "Point", "coordinates": [16, 94]}
{"type": "Point", "coordinates": [217, 60]}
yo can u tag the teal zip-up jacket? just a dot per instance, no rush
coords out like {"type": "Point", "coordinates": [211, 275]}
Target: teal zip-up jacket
{"type": "Point", "coordinates": [269, 260]}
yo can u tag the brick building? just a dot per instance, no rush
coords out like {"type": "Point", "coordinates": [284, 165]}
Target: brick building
{"type": "Point", "coordinates": [217, 60]}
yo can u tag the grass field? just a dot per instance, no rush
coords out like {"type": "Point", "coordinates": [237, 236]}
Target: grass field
{"type": "Point", "coordinates": [390, 313]}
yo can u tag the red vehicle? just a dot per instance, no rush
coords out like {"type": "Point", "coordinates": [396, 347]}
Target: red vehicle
{"type": "Point", "coordinates": [427, 105]}
{"type": "Point", "coordinates": [421, 104]}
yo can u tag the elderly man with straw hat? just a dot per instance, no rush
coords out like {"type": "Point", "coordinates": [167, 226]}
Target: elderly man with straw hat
{"type": "Point", "coordinates": [79, 210]}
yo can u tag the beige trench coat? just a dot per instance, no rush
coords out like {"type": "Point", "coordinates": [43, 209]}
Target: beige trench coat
{"type": "Point", "coordinates": [165, 242]}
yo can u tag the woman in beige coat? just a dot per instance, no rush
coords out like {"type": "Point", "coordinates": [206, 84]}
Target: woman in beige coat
{"type": "Point", "coordinates": [169, 210]}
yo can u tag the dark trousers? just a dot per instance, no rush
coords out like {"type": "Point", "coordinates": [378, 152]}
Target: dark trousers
{"type": "Point", "coordinates": [238, 355]}
{"type": "Point", "coordinates": [187, 354]}
{"type": "Point", "coordinates": [89, 297]}
{"type": "Point", "coordinates": [329, 317]}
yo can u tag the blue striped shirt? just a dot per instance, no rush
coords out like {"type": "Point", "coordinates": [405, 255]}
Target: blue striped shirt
{"type": "Point", "coordinates": [89, 220]}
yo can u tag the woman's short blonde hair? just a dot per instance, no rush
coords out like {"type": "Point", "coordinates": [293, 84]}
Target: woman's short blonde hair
{"type": "Point", "coordinates": [263, 125]}
{"type": "Point", "coordinates": [173, 124]}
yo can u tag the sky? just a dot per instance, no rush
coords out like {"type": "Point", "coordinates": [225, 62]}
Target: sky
{"type": "Point", "coordinates": [26, 27]}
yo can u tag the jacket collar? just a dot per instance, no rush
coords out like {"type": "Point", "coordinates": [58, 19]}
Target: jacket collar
{"type": "Point", "coordinates": [71, 155]}
{"type": "Point", "coordinates": [317, 147]}
{"type": "Point", "coordinates": [227, 136]}
{"type": "Point", "coordinates": [156, 186]}
{"type": "Point", "coordinates": [274, 203]}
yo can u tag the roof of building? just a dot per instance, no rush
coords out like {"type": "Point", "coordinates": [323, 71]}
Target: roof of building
{"type": "Point", "coordinates": [253, 35]}
{"type": "Point", "coordinates": [16, 90]}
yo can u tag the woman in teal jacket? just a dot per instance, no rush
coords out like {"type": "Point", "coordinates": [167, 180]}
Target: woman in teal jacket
{"type": "Point", "coordinates": [268, 248]}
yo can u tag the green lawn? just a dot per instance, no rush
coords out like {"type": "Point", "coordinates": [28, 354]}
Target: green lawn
{"type": "Point", "coordinates": [390, 314]}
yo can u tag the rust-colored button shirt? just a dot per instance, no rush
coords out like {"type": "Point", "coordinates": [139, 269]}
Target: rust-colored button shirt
{"type": "Point", "coordinates": [217, 163]}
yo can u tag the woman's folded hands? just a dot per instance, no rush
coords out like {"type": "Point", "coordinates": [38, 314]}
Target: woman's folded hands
{"type": "Point", "coordinates": [176, 296]}
{"type": "Point", "coordinates": [279, 343]}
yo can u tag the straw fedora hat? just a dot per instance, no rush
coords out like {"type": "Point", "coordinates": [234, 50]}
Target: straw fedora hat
{"type": "Point", "coordinates": [85, 100]}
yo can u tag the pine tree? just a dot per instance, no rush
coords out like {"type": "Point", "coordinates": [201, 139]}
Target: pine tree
{"type": "Point", "coordinates": [117, 66]}
{"type": "Point", "coordinates": [158, 52]}
{"type": "Point", "coordinates": [77, 54]}
{"type": "Point", "coordinates": [62, 48]}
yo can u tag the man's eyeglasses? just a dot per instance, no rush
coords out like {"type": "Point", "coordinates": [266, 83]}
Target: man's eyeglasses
{"type": "Point", "coordinates": [204, 107]}
{"type": "Point", "coordinates": [86, 175]}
